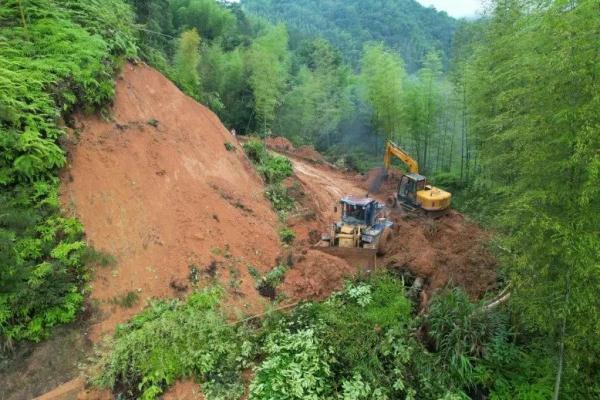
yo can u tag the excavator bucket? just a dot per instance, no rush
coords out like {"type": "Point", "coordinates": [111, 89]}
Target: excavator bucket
{"type": "Point", "coordinates": [359, 258]}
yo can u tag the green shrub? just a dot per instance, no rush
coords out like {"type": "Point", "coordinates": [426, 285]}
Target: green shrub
{"type": "Point", "coordinates": [255, 150]}
{"type": "Point", "coordinates": [275, 276]}
{"type": "Point", "coordinates": [275, 168]}
{"type": "Point", "coordinates": [172, 340]}
{"type": "Point", "coordinates": [358, 344]}
{"type": "Point", "coordinates": [287, 236]}
{"type": "Point", "coordinates": [229, 146]}
{"type": "Point", "coordinates": [63, 59]}
{"type": "Point", "coordinates": [279, 198]}
{"type": "Point", "coordinates": [296, 366]}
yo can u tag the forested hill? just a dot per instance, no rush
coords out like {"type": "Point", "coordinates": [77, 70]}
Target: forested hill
{"type": "Point", "coordinates": [403, 25]}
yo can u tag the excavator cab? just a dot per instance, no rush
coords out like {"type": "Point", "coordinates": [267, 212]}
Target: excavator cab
{"type": "Point", "coordinates": [409, 185]}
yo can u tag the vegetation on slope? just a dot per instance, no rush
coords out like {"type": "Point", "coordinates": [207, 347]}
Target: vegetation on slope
{"type": "Point", "coordinates": [404, 26]}
{"type": "Point", "coordinates": [360, 343]}
{"type": "Point", "coordinates": [55, 57]}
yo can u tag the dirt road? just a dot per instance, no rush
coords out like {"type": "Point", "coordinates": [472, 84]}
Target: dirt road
{"type": "Point", "coordinates": [326, 185]}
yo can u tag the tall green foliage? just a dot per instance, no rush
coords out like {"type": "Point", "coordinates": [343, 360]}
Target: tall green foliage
{"type": "Point", "coordinates": [407, 27]}
{"type": "Point", "coordinates": [54, 57]}
{"type": "Point", "coordinates": [423, 109]}
{"type": "Point", "coordinates": [210, 19]}
{"type": "Point", "coordinates": [172, 340]}
{"type": "Point", "coordinates": [535, 101]}
{"type": "Point", "coordinates": [319, 98]}
{"type": "Point", "coordinates": [268, 60]}
{"type": "Point", "coordinates": [187, 60]}
{"type": "Point", "coordinates": [382, 74]}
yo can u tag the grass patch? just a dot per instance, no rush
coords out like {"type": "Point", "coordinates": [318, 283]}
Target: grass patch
{"type": "Point", "coordinates": [91, 256]}
{"type": "Point", "coordinates": [126, 300]}
{"type": "Point", "coordinates": [287, 236]}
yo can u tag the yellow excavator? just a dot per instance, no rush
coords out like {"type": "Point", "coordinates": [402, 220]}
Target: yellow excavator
{"type": "Point", "coordinates": [413, 191]}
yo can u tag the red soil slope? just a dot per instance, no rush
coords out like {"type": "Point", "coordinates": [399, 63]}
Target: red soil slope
{"type": "Point", "coordinates": [155, 187]}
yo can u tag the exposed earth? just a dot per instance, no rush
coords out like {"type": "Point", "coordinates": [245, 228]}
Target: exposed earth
{"type": "Point", "coordinates": [156, 187]}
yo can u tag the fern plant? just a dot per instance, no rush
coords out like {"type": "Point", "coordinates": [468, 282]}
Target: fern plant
{"type": "Point", "coordinates": [55, 57]}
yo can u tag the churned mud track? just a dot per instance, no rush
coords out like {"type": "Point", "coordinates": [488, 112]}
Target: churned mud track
{"type": "Point", "coordinates": [450, 250]}
{"type": "Point", "coordinates": [327, 186]}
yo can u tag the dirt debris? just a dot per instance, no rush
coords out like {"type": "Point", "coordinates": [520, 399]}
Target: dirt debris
{"type": "Point", "coordinates": [305, 152]}
{"type": "Point", "coordinates": [148, 194]}
{"type": "Point", "coordinates": [315, 276]}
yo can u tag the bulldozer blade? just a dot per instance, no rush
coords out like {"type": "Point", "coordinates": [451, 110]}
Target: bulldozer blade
{"type": "Point", "coordinates": [355, 257]}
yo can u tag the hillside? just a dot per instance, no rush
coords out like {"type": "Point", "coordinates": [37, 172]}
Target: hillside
{"type": "Point", "coordinates": [155, 187]}
{"type": "Point", "coordinates": [403, 25]}
{"type": "Point", "coordinates": [183, 211]}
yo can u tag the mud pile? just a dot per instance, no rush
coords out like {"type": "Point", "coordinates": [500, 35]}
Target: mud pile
{"type": "Point", "coordinates": [448, 250]}
{"type": "Point", "coordinates": [284, 146]}
{"type": "Point", "coordinates": [156, 187]}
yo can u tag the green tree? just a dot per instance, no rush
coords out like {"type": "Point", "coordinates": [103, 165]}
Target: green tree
{"type": "Point", "coordinates": [535, 99]}
{"type": "Point", "coordinates": [423, 104]}
{"type": "Point", "coordinates": [268, 60]}
{"type": "Point", "coordinates": [314, 107]}
{"type": "Point", "coordinates": [210, 18]}
{"type": "Point", "coordinates": [382, 75]}
{"type": "Point", "coordinates": [187, 60]}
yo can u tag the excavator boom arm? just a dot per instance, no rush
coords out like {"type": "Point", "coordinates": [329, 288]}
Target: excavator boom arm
{"type": "Point", "coordinates": [392, 150]}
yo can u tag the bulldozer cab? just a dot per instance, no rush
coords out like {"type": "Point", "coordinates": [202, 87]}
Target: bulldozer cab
{"type": "Point", "coordinates": [359, 210]}
{"type": "Point", "coordinates": [409, 185]}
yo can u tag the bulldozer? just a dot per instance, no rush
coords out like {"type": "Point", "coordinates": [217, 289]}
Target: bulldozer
{"type": "Point", "coordinates": [363, 225]}
{"type": "Point", "coordinates": [413, 192]}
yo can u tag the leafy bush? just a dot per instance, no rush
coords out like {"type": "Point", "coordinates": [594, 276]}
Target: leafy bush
{"type": "Point", "coordinates": [255, 150]}
{"type": "Point", "coordinates": [273, 168]}
{"type": "Point", "coordinates": [287, 236]}
{"type": "Point", "coordinates": [279, 198]}
{"type": "Point", "coordinates": [275, 276]}
{"type": "Point", "coordinates": [172, 340]}
{"type": "Point", "coordinates": [57, 56]}
{"type": "Point", "coordinates": [297, 366]}
{"type": "Point", "coordinates": [41, 274]}
{"type": "Point", "coordinates": [355, 345]}
{"type": "Point", "coordinates": [229, 146]}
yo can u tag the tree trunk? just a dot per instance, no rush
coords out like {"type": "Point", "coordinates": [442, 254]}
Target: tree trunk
{"type": "Point", "coordinates": [561, 352]}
